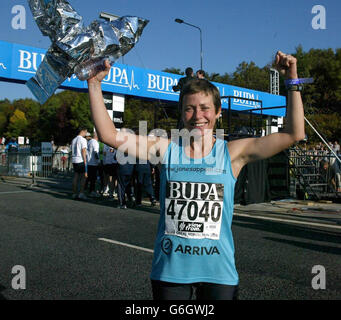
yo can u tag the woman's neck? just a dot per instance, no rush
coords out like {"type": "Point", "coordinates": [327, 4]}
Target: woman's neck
{"type": "Point", "coordinates": [200, 147]}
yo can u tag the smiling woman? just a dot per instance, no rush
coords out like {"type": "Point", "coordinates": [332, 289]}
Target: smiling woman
{"type": "Point", "coordinates": [194, 247]}
{"type": "Point", "coordinates": [201, 107]}
{"type": "Point", "coordinates": [199, 112]}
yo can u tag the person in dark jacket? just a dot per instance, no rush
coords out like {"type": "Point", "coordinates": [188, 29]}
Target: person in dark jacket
{"type": "Point", "coordinates": [179, 87]}
{"type": "Point", "coordinates": [184, 80]}
{"type": "Point", "coordinates": [124, 179]}
{"type": "Point", "coordinates": [144, 182]}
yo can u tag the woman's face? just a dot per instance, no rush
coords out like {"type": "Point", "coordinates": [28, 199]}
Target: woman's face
{"type": "Point", "coordinates": [198, 112]}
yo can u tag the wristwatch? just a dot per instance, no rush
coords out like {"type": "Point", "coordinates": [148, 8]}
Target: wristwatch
{"type": "Point", "coordinates": [295, 87]}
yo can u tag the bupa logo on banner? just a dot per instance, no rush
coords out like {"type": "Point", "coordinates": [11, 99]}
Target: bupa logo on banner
{"type": "Point", "coordinates": [19, 63]}
{"type": "Point", "coordinates": [141, 82]}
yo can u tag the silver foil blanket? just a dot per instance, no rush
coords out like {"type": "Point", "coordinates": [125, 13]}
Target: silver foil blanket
{"type": "Point", "coordinates": [73, 43]}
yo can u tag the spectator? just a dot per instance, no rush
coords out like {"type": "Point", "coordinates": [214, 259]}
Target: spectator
{"type": "Point", "coordinates": [156, 181]}
{"type": "Point", "coordinates": [64, 156]}
{"type": "Point", "coordinates": [144, 182]}
{"type": "Point", "coordinates": [179, 87]}
{"type": "Point", "coordinates": [12, 146]}
{"type": "Point", "coordinates": [93, 160]}
{"type": "Point", "coordinates": [110, 170]}
{"type": "Point", "coordinates": [101, 166]}
{"type": "Point", "coordinates": [329, 174]}
{"type": "Point", "coordinates": [79, 148]}
{"type": "Point", "coordinates": [336, 169]}
{"type": "Point", "coordinates": [184, 80]}
{"type": "Point", "coordinates": [12, 150]}
{"type": "Point", "coordinates": [336, 147]}
{"type": "Point", "coordinates": [201, 74]}
{"type": "Point", "coordinates": [88, 136]}
{"type": "Point", "coordinates": [126, 166]}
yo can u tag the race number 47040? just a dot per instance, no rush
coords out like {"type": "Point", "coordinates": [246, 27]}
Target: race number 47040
{"type": "Point", "coordinates": [192, 210]}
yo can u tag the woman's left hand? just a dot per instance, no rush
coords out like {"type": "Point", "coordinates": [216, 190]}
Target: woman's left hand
{"type": "Point", "coordinates": [286, 64]}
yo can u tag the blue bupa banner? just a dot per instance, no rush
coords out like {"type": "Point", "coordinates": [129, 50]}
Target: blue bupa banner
{"type": "Point", "coordinates": [18, 63]}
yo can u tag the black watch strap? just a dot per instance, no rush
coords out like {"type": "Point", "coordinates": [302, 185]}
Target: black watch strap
{"type": "Point", "coordinates": [295, 87]}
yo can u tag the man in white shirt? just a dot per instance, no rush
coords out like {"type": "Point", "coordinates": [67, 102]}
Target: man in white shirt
{"type": "Point", "coordinates": [93, 160]}
{"type": "Point", "coordinates": [79, 162]}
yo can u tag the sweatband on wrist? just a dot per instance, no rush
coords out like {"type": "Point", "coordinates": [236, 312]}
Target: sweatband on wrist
{"type": "Point", "coordinates": [291, 82]}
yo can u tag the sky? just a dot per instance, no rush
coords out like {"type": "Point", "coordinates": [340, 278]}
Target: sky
{"type": "Point", "coordinates": [232, 32]}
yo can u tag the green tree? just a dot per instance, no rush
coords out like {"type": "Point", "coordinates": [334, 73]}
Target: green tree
{"type": "Point", "coordinates": [6, 111]}
{"type": "Point", "coordinates": [62, 115]}
{"type": "Point", "coordinates": [324, 65]}
{"type": "Point", "coordinates": [17, 124]}
{"type": "Point", "coordinates": [173, 70]}
{"type": "Point", "coordinates": [248, 75]}
{"type": "Point", "coordinates": [328, 125]}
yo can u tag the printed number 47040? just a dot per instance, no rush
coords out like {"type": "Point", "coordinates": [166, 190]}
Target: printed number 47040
{"type": "Point", "coordinates": [194, 209]}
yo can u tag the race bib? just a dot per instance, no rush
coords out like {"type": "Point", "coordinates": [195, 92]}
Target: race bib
{"type": "Point", "coordinates": [194, 209]}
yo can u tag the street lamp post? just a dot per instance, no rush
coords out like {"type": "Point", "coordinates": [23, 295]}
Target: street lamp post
{"type": "Point", "coordinates": [201, 55]}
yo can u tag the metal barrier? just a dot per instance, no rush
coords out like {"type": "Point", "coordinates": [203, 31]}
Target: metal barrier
{"type": "Point", "coordinates": [312, 158]}
{"type": "Point", "coordinates": [318, 168]}
{"type": "Point", "coordinates": [27, 164]}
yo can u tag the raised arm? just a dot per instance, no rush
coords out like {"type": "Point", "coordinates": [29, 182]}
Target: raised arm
{"type": "Point", "coordinates": [246, 150]}
{"type": "Point", "coordinates": [136, 145]}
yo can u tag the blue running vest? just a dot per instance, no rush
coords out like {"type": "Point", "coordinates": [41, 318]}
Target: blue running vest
{"type": "Point", "coordinates": [194, 241]}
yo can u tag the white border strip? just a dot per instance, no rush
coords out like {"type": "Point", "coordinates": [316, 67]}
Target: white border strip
{"type": "Point", "coordinates": [287, 220]}
{"type": "Point", "coordinates": [126, 245]}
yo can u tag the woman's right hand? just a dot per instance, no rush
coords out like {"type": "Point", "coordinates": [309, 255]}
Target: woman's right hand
{"type": "Point", "coordinates": [101, 75]}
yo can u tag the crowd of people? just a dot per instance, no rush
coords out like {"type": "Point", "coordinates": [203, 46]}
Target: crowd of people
{"type": "Point", "coordinates": [189, 72]}
{"type": "Point", "coordinates": [325, 160]}
{"type": "Point", "coordinates": [98, 173]}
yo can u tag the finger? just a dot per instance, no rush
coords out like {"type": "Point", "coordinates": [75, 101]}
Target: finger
{"type": "Point", "coordinates": [107, 64]}
{"type": "Point", "coordinates": [280, 57]}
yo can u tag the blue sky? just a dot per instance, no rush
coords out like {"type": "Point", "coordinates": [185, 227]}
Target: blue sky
{"type": "Point", "coordinates": [233, 31]}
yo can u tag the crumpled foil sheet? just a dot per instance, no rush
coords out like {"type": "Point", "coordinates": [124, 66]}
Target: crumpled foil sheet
{"type": "Point", "coordinates": [73, 43]}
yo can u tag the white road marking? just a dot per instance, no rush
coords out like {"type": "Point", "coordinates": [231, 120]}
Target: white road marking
{"type": "Point", "coordinates": [288, 220]}
{"type": "Point", "coordinates": [126, 245]}
{"type": "Point", "coordinates": [9, 192]}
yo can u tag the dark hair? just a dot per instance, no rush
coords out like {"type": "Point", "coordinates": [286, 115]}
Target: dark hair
{"type": "Point", "coordinates": [202, 85]}
{"type": "Point", "coordinates": [201, 72]}
{"type": "Point", "coordinates": [82, 129]}
{"type": "Point", "coordinates": [188, 71]}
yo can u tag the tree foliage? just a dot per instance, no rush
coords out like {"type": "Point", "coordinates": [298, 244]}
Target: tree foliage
{"type": "Point", "coordinates": [58, 119]}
